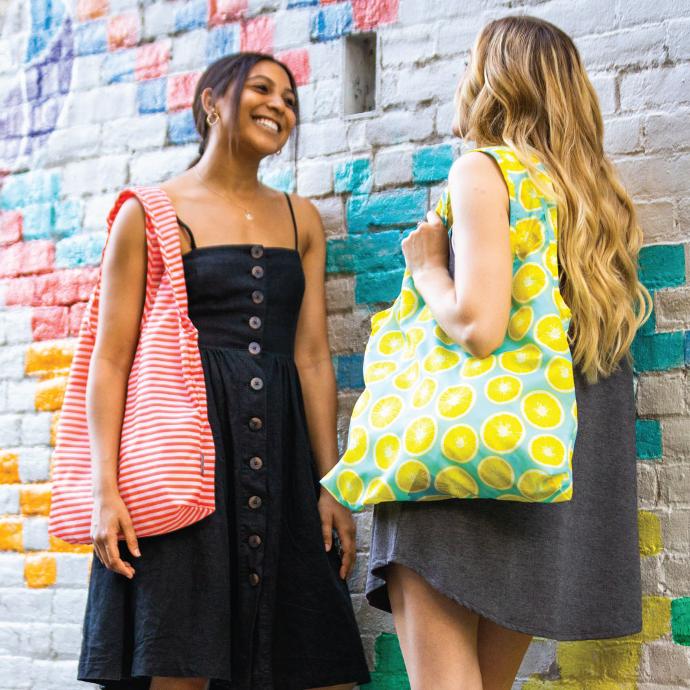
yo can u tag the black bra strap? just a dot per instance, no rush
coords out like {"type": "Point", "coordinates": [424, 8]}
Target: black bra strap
{"type": "Point", "coordinates": [189, 231]}
{"type": "Point", "coordinates": [294, 222]}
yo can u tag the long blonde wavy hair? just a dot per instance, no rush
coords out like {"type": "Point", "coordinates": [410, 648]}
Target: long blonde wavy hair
{"type": "Point", "coordinates": [525, 87]}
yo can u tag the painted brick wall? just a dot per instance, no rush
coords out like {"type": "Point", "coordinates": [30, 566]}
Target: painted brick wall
{"type": "Point", "coordinates": [96, 95]}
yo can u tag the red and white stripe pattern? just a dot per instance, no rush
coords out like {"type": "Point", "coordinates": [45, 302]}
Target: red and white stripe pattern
{"type": "Point", "coordinates": [166, 466]}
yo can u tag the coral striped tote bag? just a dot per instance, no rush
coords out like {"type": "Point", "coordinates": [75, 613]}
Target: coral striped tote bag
{"type": "Point", "coordinates": [434, 422]}
{"type": "Point", "coordinates": [166, 462]}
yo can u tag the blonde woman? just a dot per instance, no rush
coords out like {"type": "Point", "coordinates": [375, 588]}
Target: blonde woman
{"type": "Point", "coordinates": [470, 582]}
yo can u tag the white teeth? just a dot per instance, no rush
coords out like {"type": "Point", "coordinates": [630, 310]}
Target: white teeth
{"type": "Point", "coordinates": [268, 124]}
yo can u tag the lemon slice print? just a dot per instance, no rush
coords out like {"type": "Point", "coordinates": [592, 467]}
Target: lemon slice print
{"type": "Point", "coordinates": [460, 443]}
{"type": "Point", "coordinates": [553, 217]}
{"type": "Point", "coordinates": [542, 410]}
{"type": "Point", "coordinates": [361, 404]}
{"type": "Point", "coordinates": [520, 322]}
{"type": "Point", "coordinates": [573, 410]}
{"type": "Point", "coordinates": [440, 359]}
{"type": "Point", "coordinates": [529, 281]}
{"type": "Point", "coordinates": [503, 389]}
{"type": "Point", "coordinates": [547, 450]}
{"type": "Point", "coordinates": [425, 314]}
{"type": "Point", "coordinates": [455, 401]}
{"type": "Point", "coordinates": [549, 333]}
{"type": "Point", "coordinates": [391, 342]}
{"type": "Point", "coordinates": [357, 445]}
{"type": "Point", "coordinates": [379, 319]}
{"type": "Point", "coordinates": [408, 304]}
{"type": "Point", "coordinates": [386, 451]}
{"type": "Point", "coordinates": [529, 237]}
{"type": "Point", "coordinates": [529, 195]}
{"type": "Point", "coordinates": [413, 476]}
{"type": "Point", "coordinates": [496, 473]}
{"type": "Point", "coordinates": [385, 411]}
{"type": "Point", "coordinates": [443, 336]}
{"type": "Point", "coordinates": [537, 485]}
{"type": "Point", "coordinates": [420, 435]}
{"type": "Point", "coordinates": [378, 371]}
{"type": "Point", "coordinates": [477, 366]}
{"type": "Point", "coordinates": [455, 481]}
{"type": "Point", "coordinates": [350, 486]}
{"type": "Point", "coordinates": [559, 374]}
{"type": "Point", "coordinates": [413, 337]}
{"type": "Point", "coordinates": [424, 393]}
{"type": "Point", "coordinates": [551, 259]}
{"type": "Point", "coordinates": [563, 309]}
{"type": "Point", "coordinates": [524, 360]}
{"type": "Point", "coordinates": [502, 432]}
{"type": "Point", "coordinates": [408, 377]}
{"type": "Point", "coordinates": [378, 492]}
{"type": "Point", "coordinates": [565, 495]}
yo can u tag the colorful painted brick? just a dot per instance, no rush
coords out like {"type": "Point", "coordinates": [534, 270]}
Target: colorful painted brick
{"type": "Point", "coordinates": [649, 326]}
{"type": "Point", "coordinates": [332, 22]}
{"type": "Point", "coordinates": [181, 127]}
{"type": "Point", "coordinates": [25, 258]}
{"type": "Point", "coordinates": [680, 620]}
{"type": "Point", "coordinates": [303, 3]}
{"type": "Point", "coordinates": [91, 38]}
{"type": "Point", "coordinates": [10, 227]}
{"type": "Point", "coordinates": [11, 535]}
{"type": "Point", "coordinates": [224, 11]}
{"type": "Point", "coordinates": [648, 439]}
{"type": "Point", "coordinates": [378, 287]}
{"type": "Point", "coordinates": [181, 90]}
{"type": "Point", "coordinates": [152, 96]}
{"type": "Point", "coordinates": [152, 60]}
{"type": "Point", "coordinates": [50, 394]}
{"type": "Point", "coordinates": [687, 348]}
{"type": "Point", "coordinates": [650, 539]}
{"type": "Point", "coordinates": [353, 176]}
{"type": "Point", "coordinates": [257, 35]}
{"type": "Point", "coordinates": [349, 371]}
{"type": "Point", "coordinates": [9, 467]}
{"type": "Point", "coordinates": [297, 62]}
{"type": "Point", "coordinates": [432, 163]}
{"type": "Point", "coordinates": [80, 250]}
{"type": "Point", "coordinates": [67, 216]}
{"type": "Point", "coordinates": [61, 546]}
{"type": "Point", "coordinates": [389, 673]}
{"type": "Point", "coordinates": [658, 351]}
{"type": "Point", "coordinates": [38, 221]}
{"type": "Point", "coordinates": [119, 66]}
{"type": "Point", "coordinates": [386, 208]}
{"type": "Point", "coordinates": [40, 570]}
{"type": "Point", "coordinates": [368, 14]}
{"type": "Point", "coordinates": [223, 40]}
{"type": "Point", "coordinates": [662, 265]}
{"type": "Point", "coordinates": [191, 15]}
{"type": "Point", "coordinates": [91, 9]}
{"type": "Point", "coordinates": [48, 323]}
{"type": "Point", "coordinates": [123, 30]}
{"type": "Point", "coordinates": [282, 179]}
{"type": "Point", "coordinates": [76, 313]}
{"type": "Point", "coordinates": [34, 499]}
{"type": "Point", "coordinates": [43, 359]}
{"type": "Point", "coordinates": [365, 253]}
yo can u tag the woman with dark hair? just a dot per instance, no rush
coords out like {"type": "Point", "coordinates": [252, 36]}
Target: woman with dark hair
{"type": "Point", "coordinates": [252, 597]}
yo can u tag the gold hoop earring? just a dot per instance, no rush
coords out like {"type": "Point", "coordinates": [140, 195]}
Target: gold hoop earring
{"type": "Point", "coordinates": [279, 151]}
{"type": "Point", "coordinates": [211, 122]}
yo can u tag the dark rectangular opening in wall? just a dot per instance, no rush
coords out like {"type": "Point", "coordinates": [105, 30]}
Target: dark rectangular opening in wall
{"type": "Point", "coordinates": [360, 74]}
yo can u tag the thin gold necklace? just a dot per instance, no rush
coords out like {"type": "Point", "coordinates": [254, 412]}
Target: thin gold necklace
{"type": "Point", "coordinates": [247, 213]}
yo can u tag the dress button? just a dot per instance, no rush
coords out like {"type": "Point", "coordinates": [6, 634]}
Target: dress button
{"type": "Point", "coordinates": [257, 297]}
{"type": "Point", "coordinates": [258, 272]}
{"type": "Point", "coordinates": [255, 502]}
{"type": "Point", "coordinates": [256, 383]}
{"type": "Point", "coordinates": [257, 251]}
{"type": "Point", "coordinates": [255, 322]}
{"type": "Point", "coordinates": [255, 424]}
{"type": "Point", "coordinates": [254, 348]}
{"type": "Point", "coordinates": [254, 579]}
{"type": "Point", "coordinates": [254, 541]}
{"type": "Point", "coordinates": [256, 463]}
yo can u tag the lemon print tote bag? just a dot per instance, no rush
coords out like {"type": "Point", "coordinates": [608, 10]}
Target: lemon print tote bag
{"type": "Point", "coordinates": [433, 422]}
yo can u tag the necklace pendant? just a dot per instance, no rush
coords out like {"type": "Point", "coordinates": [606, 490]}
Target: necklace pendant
{"type": "Point", "coordinates": [248, 215]}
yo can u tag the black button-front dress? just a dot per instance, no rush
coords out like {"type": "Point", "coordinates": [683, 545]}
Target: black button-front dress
{"type": "Point", "coordinates": [248, 596]}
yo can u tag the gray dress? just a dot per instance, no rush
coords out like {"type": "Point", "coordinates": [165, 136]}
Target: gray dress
{"type": "Point", "coordinates": [565, 571]}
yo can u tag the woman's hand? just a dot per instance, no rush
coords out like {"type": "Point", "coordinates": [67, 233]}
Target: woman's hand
{"type": "Point", "coordinates": [426, 247]}
{"type": "Point", "coordinates": [110, 518]}
{"type": "Point", "coordinates": [338, 517]}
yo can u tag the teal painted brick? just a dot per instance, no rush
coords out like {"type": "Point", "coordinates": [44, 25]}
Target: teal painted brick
{"type": "Point", "coordinates": [79, 250]}
{"type": "Point", "coordinates": [648, 438]}
{"type": "Point", "coordinates": [67, 218]}
{"type": "Point", "coordinates": [659, 351]}
{"type": "Point", "coordinates": [378, 251]}
{"type": "Point", "coordinates": [662, 265]}
{"type": "Point", "coordinates": [38, 221]}
{"type": "Point", "coordinates": [680, 620]}
{"type": "Point", "coordinates": [432, 163]}
{"type": "Point", "coordinates": [386, 208]}
{"type": "Point", "coordinates": [649, 326]}
{"type": "Point", "coordinates": [353, 176]}
{"type": "Point", "coordinates": [687, 348]}
{"type": "Point", "coordinates": [282, 179]}
{"type": "Point", "coordinates": [372, 288]}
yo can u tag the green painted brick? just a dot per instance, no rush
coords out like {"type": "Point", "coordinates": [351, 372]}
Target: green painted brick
{"type": "Point", "coordinates": [680, 620]}
{"type": "Point", "coordinates": [662, 265]}
{"type": "Point", "coordinates": [658, 351]}
{"type": "Point", "coordinates": [388, 681]}
{"type": "Point", "coordinates": [390, 671]}
{"type": "Point", "coordinates": [648, 438]}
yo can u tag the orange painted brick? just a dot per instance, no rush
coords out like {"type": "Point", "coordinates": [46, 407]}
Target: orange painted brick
{"type": "Point", "coordinates": [34, 499]}
{"type": "Point", "coordinates": [65, 547]}
{"type": "Point", "coordinates": [11, 534]}
{"type": "Point", "coordinates": [40, 570]}
{"type": "Point", "coordinates": [91, 9]}
{"type": "Point", "coordinates": [50, 394]}
{"type": "Point", "coordinates": [49, 357]}
{"type": "Point", "coordinates": [9, 467]}
{"type": "Point", "coordinates": [54, 421]}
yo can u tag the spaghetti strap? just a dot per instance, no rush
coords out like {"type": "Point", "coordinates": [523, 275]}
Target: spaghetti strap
{"type": "Point", "coordinates": [188, 230]}
{"type": "Point", "coordinates": [294, 222]}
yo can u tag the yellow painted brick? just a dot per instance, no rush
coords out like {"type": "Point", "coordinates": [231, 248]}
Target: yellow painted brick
{"type": "Point", "coordinates": [34, 499]}
{"type": "Point", "coordinates": [40, 570]}
{"type": "Point", "coordinates": [656, 618]}
{"type": "Point", "coordinates": [580, 660]}
{"type": "Point", "coordinates": [50, 393]}
{"type": "Point", "coordinates": [50, 356]}
{"type": "Point", "coordinates": [651, 541]}
{"type": "Point", "coordinates": [536, 683]}
{"type": "Point", "coordinates": [54, 421]}
{"type": "Point", "coordinates": [63, 546]}
{"type": "Point", "coordinates": [11, 538]}
{"type": "Point", "coordinates": [9, 467]}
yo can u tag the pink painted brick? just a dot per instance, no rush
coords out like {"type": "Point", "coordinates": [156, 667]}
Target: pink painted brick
{"type": "Point", "coordinates": [52, 289]}
{"type": "Point", "coordinates": [123, 31]}
{"type": "Point", "coordinates": [25, 258]}
{"type": "Point", "coordinates": [152, 60]}
{"type": "Point", "coordinates": [76, 312]}
{"type": "Point", "coordinates": [91, 9]}
{"type": "Point", "coordinates": [368, 14]}
{"type": "Point", "coordinates": [48, 323]}
{"type": "Point", "coordinates": [181, 90]}
{"type": "Point", "coordinates": [298, 62]}
{"type": "Point", "coordinates": [257, 35]}
{"type": "Point", "coordinates": [10, 227]}
{"type": "Point", "coordinates": [224, 11]}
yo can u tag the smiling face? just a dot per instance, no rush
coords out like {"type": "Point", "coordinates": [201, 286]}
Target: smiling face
{"type": "Point", "coordinates": [266, 112]}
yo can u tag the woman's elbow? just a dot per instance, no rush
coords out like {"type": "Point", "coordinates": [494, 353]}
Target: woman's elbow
{"type": "Point", "coordinates": [481, 339]}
